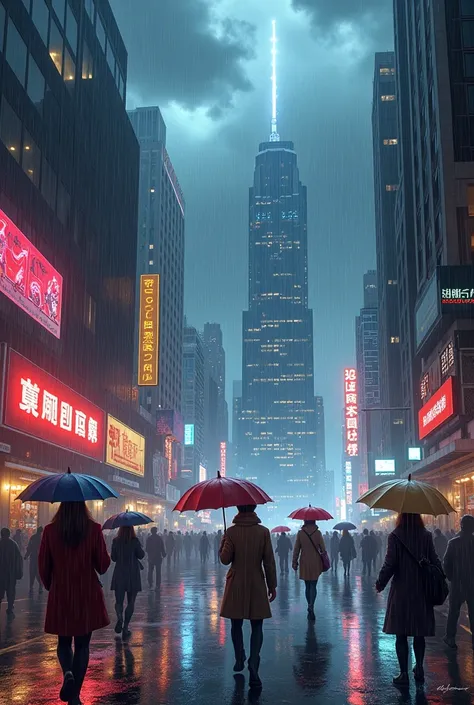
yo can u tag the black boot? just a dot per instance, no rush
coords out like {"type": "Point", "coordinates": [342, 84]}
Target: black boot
{"type": "Point", "coordinates": [419, 674]}
{"type": "Point", "coordinates": [401, 679]}
{"type": "Point", "coordinates": [239, 664]}
{"type": "Point", "coordinates": [254, 679]}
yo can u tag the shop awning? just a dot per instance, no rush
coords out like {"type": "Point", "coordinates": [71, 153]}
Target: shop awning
{"type": "Point", "coordinates": [452, 457]}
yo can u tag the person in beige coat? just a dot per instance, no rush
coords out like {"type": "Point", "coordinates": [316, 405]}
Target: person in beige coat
{"type": "Point", "coordinates": [249, 589]}
{"type": "Point", "coordinates": [309, 542]}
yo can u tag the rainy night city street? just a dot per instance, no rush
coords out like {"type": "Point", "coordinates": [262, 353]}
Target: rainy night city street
{"type": "Point", "coordinates": [180, 650]}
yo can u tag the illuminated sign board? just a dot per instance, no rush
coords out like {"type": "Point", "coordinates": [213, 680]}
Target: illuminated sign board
{"type": "Point", "coordinates": [223, 461]}
{"type": "Point", "coordinates": [348, 473]}
{"type": "Point", "coordinates": [414, 453]}
{"type": "Point", "coordinates": [427, 311]}
{"type": "Point", "coordinates": [343, 510]}
{"type": "Point", "coordinates": [28, 279]}
{"type": "Point", "coordinates": [125, 447]}
{"type": "Point", "coordinates": [38, 404]}
{"type": "Point", "coordinates": [189, 434]}
{"type": "Point", "coordinates": [385, 467]}
{"type": "Point", "coordinates": [149, 330]}
{"type": "Point", "coordinates": [437, 410]}
{"type": "Point", "coordinates": [456, 285]}
{"type": "Point", "coordinates": [202, 473]}
{"type": "Point", "coordinates": [351, 412]}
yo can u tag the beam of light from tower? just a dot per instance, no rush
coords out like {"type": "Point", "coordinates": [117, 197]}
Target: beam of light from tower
{"type": "Point", "coordinates": [274, 136]}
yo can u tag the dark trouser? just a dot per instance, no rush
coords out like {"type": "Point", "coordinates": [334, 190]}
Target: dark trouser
{"type": "Point", "coordinates": [203, 556]}
{"type": "Point", "coordinates": [168, 557]}
{"type": "Point", "coordinates": [347, 566]}
{"type": "Point", "coordinates": [34, 575]}
{"type": "Point", "coordinates": [334, 561]}
{"type": "Point", "coordinates": [401, 646]}
{"type": "Point", "coordinates": [119, 600]}
{"type": "Point", "coordinates": [256, 640]}
{"type": "Point", "coordinates": [10, 590]}
{"type": "Point", "coordinates": [152, 566]}
{"type": "Point", "coordinates": [456, 600]}
{"type": "Point", "coordinates": [284, 563]}
{"type": "Point", "coordinates": [366, 566]}
{"type": "Point", "coordinates": [311, 592]}
{"type": "Point", "coordinates": [77, 662]}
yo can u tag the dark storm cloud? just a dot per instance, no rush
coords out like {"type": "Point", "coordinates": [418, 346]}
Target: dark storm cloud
{"type": "Point", "coordinates": [175, 56]}
{"type": "Point", "coordinates": [374, 18]}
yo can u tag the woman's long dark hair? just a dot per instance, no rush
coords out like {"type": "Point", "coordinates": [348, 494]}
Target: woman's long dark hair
{"type": "Point", "coordinates": [410, 522]}
{"type": "Point", "coordinates": [73, 522]}
{"type": "Point", "coordinates": [126, 533]}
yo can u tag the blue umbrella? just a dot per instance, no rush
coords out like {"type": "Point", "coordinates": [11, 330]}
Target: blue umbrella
{"type": "Point", "coordinates": [345, 525]}
{"type": "Point", "coordinates": [126, 519]}
{"type": "Point", "coordinates": [67, 487]}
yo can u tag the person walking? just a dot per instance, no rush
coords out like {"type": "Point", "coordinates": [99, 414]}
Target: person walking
{"type": "Point", "coordinates": [11, 569]}
{"type": "Point", "coordinates": [459, 568]}
{"type": "Point", "coordinates": [347, 551]}
{"type": "Point", "coordinates": [204, 547]}
{"type": "Point", "coordinates": [283, 548]}
{"type": "Point", "coordinates": [155, 550]}
{"type": "Point", "coordinates": [127, 553]}
{"type": "Point", "coordinates": [169, 547]}
{"type": "Point", "coordinates": [178, 547]}
{"type": "Point", "coordinates": [306, 553]}
{"type": "Point", "coordinates": [440, 543]}
{"type": "Point", "coordinates": [18, 539]}
{"type": "Point", "coordinates": [71, 553]}
{"type": "Point", "coordinates": [334, 550]}
{"type": "Point", "coordinates": [249, 589]}
{"type": "Point", "coordinates": [197, 544]}
{"type": "Point", "coordinates": [32, 550]}
{"type": "Point", "coordinates": [217, 545]}
{"type": "Point", "coordinates": [188, 546]}
{"type": "Point", "coordinates": [408, 613]}
{"type": "Point", "coordinates": [368, 549]}
{"type": "Point", "coordinates": [377, 549]}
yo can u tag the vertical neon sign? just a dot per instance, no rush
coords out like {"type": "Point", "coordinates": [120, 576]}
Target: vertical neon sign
{"type": "Point", "coordinates": [351, 412]}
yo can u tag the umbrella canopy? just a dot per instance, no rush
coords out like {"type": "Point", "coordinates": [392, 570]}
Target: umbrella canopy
{"type": "Point", "coordinates": [67, 487]}
{"type": "Point", "coordinates": [280, 530]}
{"type": "Point", "coordinates": [126, 519]}
{"type": "Point", "coordinates": [310, 514]}
{"type": "Point", "coordinates": [407, 496]}
{"type": "Point", "coordinates": [219, 493]}
{"type": "Point", "coordinates": [345, 526]}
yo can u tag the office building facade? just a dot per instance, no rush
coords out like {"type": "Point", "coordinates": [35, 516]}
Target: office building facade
{"type": "Point", "coordinates": [193, 406]}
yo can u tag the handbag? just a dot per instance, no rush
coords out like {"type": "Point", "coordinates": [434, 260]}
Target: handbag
{"type": "Point", "coordinates": [322, 554]}
{"type": "Point", "coordinates": [434, 581]}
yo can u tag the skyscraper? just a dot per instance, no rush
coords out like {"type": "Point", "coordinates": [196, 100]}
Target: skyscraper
{"type": "Point", "coordinates": [278, 439]}
{"type": "Point", "coordinates": [193, 403]}
{"type": "Point", "coordinates": [215, 368]}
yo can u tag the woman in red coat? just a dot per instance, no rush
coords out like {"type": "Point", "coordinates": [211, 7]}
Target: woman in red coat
{"type": "Point", "coordinates": [71, 554]}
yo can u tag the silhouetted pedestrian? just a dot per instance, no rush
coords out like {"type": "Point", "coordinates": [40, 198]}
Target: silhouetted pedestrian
{"type": "Point", "coordinates": [282, 550]}
{"type": "Point", "coordinates": [459, 569]}
{"type": "Point", "coordinates": [169, 546]}
{"type": "Point", "coordinates": [178, 546]}
{"type": "Point", "coordinates": [347, 551]}
{"type": "Point", "coordinates": [408, 612]}
{"type": "Point", "coordinates": [217, 545]}
{"type": "Point", "coordinates": [204, 547]}
{"type": "Point", "coordinates": [126, 580]}
{"type": "Point", "coordinates": [18, 539]}
{"type": "Point", "coordinates": [71, 554]}
{"type": "Point", "coordinates": [368, 549]}
{"type": "Point", "coordinates": [334, 550]}
{"type": "Point", "coordinates": [188, 545]}
{"type": "Point", "coordinates": [309, 542]}
{"type": "Point", "coordinates": [32, 551]}
{"type": "Point", "coordinates": [155, 550]}
{"type": "Point", "coordinates": [247, 546]}
{"type": "Point", "coordinates": [440, 543]}
{"type": "Point", "coordinates": [11, 569]}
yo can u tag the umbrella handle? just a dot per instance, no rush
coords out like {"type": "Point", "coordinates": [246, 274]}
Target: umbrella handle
{"type": "Point", "coordinates": [223, 514]}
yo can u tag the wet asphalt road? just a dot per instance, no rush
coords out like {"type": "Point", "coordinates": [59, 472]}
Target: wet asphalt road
{"type": "Point", "coordinates": [180, 650]}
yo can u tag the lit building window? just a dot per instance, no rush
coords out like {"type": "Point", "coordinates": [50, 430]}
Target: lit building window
{"type": "Point", "coordinates": [56, 46]}
{"type": "Point", "coordinates": [151, 247]}
{"type": "Point", "coordinates": [384, 71]}
{"type": "Point", "coordinates": [392, 282]}
{"type": "Point", "coordinates": [152, 190]}
{"type": "Point", "coordinates": [447, 359]}
{"type": "Point", "coordinates": [391, 187]}
{"type": "Point", "coordinates": [425, 386]}
{"type": "Point", "coordinates": [391, 141]}
{"type": "Point", "coordinates": [150, 261]}
{"type": "Point", "coordinates": [394, 339]}
{"type": "Point", "coordinates": [387, 98]}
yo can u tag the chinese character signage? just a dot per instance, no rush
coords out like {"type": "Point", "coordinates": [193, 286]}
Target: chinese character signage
{"type": "Point", "coordinates": [351, 412]}
{"type": "Point", "coordinates": [437, 410]}
{"type": "Point", "coordinates": [148, 332]}
{"type": "Point", "coordinates": [28, 279]}
{"type": "Point", "coordinates": [348, 473]}
{"type": "Point", "coordinates": [125, 447]}
{"type": "Point", "coordinates": [223, 462]}
{"type": "Point", "coordinates": [170, 423]}
{"type": "Point", "coordinates": [189, 434]}
{"type": "Point", "coordinates": [39, 405]}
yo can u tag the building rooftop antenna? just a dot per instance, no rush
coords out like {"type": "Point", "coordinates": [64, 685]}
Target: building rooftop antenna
{"type": "Point", "coordinates": [274, 136]}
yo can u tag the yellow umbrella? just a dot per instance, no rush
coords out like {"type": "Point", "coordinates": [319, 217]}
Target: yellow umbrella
{"type": "Point", "coordinates": [407, 496]}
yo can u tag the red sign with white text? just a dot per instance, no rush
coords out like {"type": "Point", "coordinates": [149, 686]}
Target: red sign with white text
{"type": "Point", "coordinates": [351, 412]}
{"type": "Point", "coordinates": [28, 279]}
{"type": "Point", "coordinates": [41, 406]}
{"type": "Point", "coordinates": [437, 410]}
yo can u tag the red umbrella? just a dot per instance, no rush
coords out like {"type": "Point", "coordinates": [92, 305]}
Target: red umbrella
{"type": "Point", "coordinates": [280, 530]}
{"type": "Point", "coordinates": [310, 514]}
{"type": "Point", "coordinates": [219, 493]}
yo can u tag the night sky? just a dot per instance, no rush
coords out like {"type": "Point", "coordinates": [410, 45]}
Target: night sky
{"type": "Point", "coordinates": [207, 65]}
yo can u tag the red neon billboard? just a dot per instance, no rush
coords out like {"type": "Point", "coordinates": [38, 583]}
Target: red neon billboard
{"type": "Point", "coordinates": [351, 412]}
{"type": "Point", "coordinates": [28, 279]}
{"type": "Point", "coordinates": [437, 410]}
{"type": "Point", "coordinates": [38, 404]}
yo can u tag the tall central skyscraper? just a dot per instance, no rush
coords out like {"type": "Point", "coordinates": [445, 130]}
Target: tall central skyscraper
{"type": "Point", "coordinates": [277, 434]}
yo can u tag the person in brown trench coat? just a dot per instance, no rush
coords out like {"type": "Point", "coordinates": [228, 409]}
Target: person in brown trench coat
{"type": "Point", "coordinates": [249, 589]}
{"type": "Point", "coordinates": [309, 541]}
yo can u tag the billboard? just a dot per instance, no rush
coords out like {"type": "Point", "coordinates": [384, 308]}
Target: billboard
{"type": "Point", "coordinates": [170, 423]}
{"type": "Point", "coordinates": [189, 434]}
{"type": "Point", "coordinates": [149, 330]}
{"type": "Point", "coordinates": [223, 459]}
{"type": "Point", "coordinates": [125, 447]}
{"type": "Point", "coordinates": [348, 475]}
{"type": "Point", "coordinates": [202, 473]}
{"type": "Point", "coordinates": [414, 454]}
{"type": "Point", "coordinates": [385, 467]}
{"type": "Point", "coordinates": [457, 290]}
{"type": "Point", "coordinates": [427, 311]}
{"type": "Point", "coordinates": [437, 410]}
{"type": "Point", "coordinates": [351, 412]}
{"type": "Point", "coordinates": [38, 404]}
{"type": "Point", "coordinates": [28, 279]}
